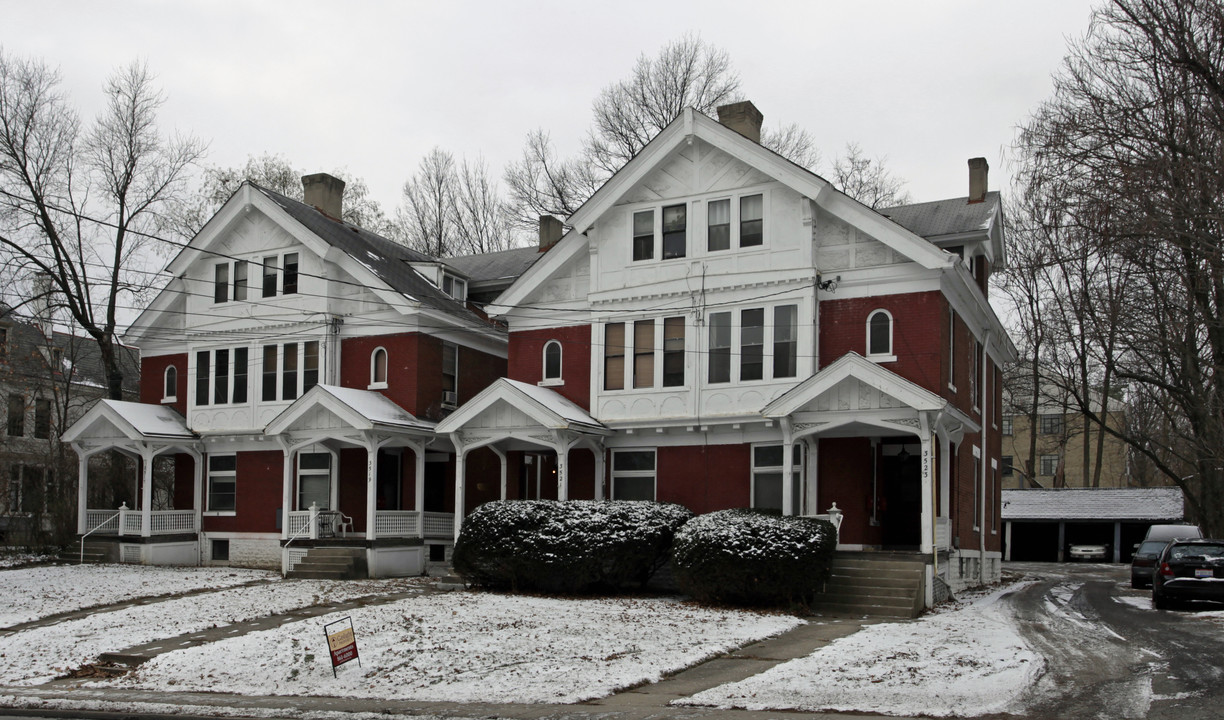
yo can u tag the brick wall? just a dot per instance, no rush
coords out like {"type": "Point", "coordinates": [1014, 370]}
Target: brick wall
{"type": "Point", "coordinates": [259, 481]}
{"type": "Point", "coordinates": [918, 332]}
{"type": "Point", "coordinates": [527, 360]}
{"type": "Point", "coordinates": [153, 376]}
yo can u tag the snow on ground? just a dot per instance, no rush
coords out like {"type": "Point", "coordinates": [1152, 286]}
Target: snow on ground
{"type": "Point", "coordinates": [36, 592]}
{"type": "Point", "coordinates": [16, 559]}
{"type": "Point", "coordinates": [965, 661]}
{"type": "Point", "coordinates": [40, 654]}
{"type": "Point", "coordinates": [470, 647]}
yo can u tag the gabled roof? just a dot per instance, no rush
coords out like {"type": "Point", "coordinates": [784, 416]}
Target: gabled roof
{"type": "Point", "coordinates": [136, 421]}
{"type": "Point", "coordinates": [359, 409]}
{"type": "Point", "coordinates": [1158, 503]}
{"type": "Point", "coordinates": [550, 409]}
{"type": "Point", "coordinates": [955, 216]}
{"type": "Point", "coordinates": [854, 365]}
{"type": "Point", "coordinates": [388, 260]}
{"type": "Point", "coordinates": [505, 265]}
{"type": "Point", "coordinates": [24, 361]}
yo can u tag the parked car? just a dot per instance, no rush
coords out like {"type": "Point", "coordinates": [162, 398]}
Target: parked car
{"type": "Point", "coordinates": [1189, 570]}
{"type": "Point", "coordinates": [1173, 532]}
{"type": "Point", "coordinates": [1089, 553]}
{"type": "Point", "coordinates": [1143, 562]}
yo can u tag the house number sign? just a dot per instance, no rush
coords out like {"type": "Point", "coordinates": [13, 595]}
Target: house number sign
{"type": "Point", "coordinates": [342, 642]}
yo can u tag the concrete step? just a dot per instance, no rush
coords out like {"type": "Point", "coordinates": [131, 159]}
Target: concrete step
{"type": "Point", "coordinates": [308, 574]}
{"type": "Point", "coordinates": [877, 566]}
{"type": "Point", "coordinates": [336, 552]}
{"type": "Point", "coordinates": [857, 608]}
{"type": "Point", "coordinates": [885, 579]}
{"type": "Point", "coordinates": [871, 591]}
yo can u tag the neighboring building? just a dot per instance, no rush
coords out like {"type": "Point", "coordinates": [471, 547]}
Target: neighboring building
{"type": "Point", "coordinates": [1059, 458]}
{"type": "Point", "coordinates": [722, 328]}
{"type": "Point", "coordinates": [47, 379]}
{"type": "Point", "coordinates": [1040, 525]}
{"type": "Point", "coordinates": [294, 369]}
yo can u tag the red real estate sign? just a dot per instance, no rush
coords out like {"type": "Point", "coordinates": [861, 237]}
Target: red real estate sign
{"type": "Point", "coordinates": [342, 642]}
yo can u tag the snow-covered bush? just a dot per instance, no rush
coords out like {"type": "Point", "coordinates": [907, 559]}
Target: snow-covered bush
{"type": "Point", "coordinates": [750, 558]}
{"type": "Point", "coordinates": [571, 546]}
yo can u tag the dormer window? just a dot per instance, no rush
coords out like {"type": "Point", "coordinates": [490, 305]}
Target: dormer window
{"type": "Point", "coordinates": [378, 369]}
{"type": "Point", "coordinates": [879, 336]}
{"type": "Point", "coordinates": [743, 229]}
{"type": "Point", "coordinates": [675, 223]}
{"type": "Point", "coordinates": [455, 287]}
{"type": "Point", "coordinates": [552, 363]}
{"type": "Point", "coordinates": [222, 274]}
{"type": "Point", "coordinates": [643, 235]}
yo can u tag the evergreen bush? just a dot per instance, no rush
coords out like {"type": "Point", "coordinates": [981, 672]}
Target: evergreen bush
{"type": "Point", "coordinates": [745, 557]}
{"type": "Point", "coordinates": [570, 547]}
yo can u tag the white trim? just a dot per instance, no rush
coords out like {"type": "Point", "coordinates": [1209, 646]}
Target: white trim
{"type": "Point", "coordinates": [653, 473]}
{"type": "Point", "coordinates": [887, 356]}
{"type": "Point", "coordinates": [547, 381]}
{"type": "Point", "coordinates": [209, 473]}
{"type": "Point", "coordinates": [374, 383]}
{"type": "Point", "coordinates": [165, 383]}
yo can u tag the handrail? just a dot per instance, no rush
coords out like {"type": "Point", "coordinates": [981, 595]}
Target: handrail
{"type": "Point", "coordinates": [99, 525]}
{"type": "Point", "coordinates": [294, 536]}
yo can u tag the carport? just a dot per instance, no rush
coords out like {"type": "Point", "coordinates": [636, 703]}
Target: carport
{"type": "Point", "coordinates": [1040, 524]}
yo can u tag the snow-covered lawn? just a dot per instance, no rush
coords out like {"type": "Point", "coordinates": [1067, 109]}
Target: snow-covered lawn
{"type": "Point", "coordinates": [13, 559]}
{"type": "Point", "coordinates": [40, 654]}
{"type": "Point", "coordinates": [36, 592]}
{"type": "Point", "coordinates": [470, 647]}
{"type": "Point", "coordinates": [964, 661]}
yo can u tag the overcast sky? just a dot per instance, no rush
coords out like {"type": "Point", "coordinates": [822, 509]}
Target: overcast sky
{"type": "Point", "coordinates": [370, 87]}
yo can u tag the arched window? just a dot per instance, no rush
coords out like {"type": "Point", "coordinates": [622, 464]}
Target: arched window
{"type": "Point", "coordinates": [378, 368]}
{"type": "Point", "coordinates": [170, 386]}
{"type": "Point", "coordinates": [552, 361]}
{"type": "Point", "coordinates": [879, 334]}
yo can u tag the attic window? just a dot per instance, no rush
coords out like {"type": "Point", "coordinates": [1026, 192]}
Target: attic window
{"type": "Point", "coordinates": [455, 287]}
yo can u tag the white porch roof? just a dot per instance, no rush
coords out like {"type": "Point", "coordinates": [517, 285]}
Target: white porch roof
{"type": "Point", "coordinates": [333, 411]}
{"type": "Point", "coordinates": [123, 424]}
{"type": "Point", "coordinates": [854, 394]}
{"type": "Point", "coordinates": [513, 410]}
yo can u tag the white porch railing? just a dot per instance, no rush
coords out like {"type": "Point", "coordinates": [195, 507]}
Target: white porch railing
{"type": "Point", "coordinates": [439, 525]}
{"type": "Point", "coordinates": [128, 522]}
{"type": "Point", "coordinates": [943, 534]}
{"type": "Point", "coordinates": [389, 524]}
{"type": "Point", "coordinates": [397, 523]}
{"type": "Point", "coordinates": [299, 521]}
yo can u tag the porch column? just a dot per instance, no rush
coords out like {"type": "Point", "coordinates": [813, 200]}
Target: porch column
{"type": "Point", "coordinates": [197, 488]}
{"type": "Point", "coordinates": [418, 487]}
{"type": "Point", "coordinates": [1117, 543]}
{"type": "Point", "coordinates": [460, 478]}
{"type": "Point", "coordinates": [82, 491]}
{"type": "Point", "coordinates": [788, 473]}
{"type": "Point", "coordinates": [146, 493]}
{"type": "Point", "coordinates": [811, 475]}
{"type": "Point", "coordinates": [501, 455]}
{"type": "Point", "coordinates": [371, 446]}
{"type": "Point", "coordinates": [1007, 540]}
{"type": "Point", "coordinates": [945, 476]}
{"type": "Point", "coordinates": [562, 471]}
{"type": "Point", "coordinates": [286, 488]}
{"type": "Point", "coordinates": [600, 471]}
{"type": "Point", "coordinates": [928, 489]}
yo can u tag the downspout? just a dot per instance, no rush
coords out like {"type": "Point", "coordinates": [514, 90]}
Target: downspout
{"type": "Point", "coordinates": [985, 457]}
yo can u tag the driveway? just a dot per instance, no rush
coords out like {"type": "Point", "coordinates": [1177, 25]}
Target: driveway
{"type": "Point", "coordinates": [1109, 654]}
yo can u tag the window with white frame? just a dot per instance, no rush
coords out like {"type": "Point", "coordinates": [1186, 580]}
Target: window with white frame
{"type": "Point", "coordinates": [552, 361]}
{"type": "Point", "coordinates": [675, 231]}
{"type": "Point", "coordinates": [1006, 423]}
{"type": "Point", "coordinates": [767, 476]}
{"type": "Point", "coordinates": [767, 341]}
{"type": "Point", "coordinates": [656, 347]}
{"type": "Point", "coordinates": [230, 281]}
{"type": "Point", "coordinates": [450, 374]}
{"type": "Point", "coordinates": [170, 384]}
{"type": "Point", "coordinates": [221, 286]}
{"type": "Point", "coordinates": [454, 286]}
{"type": "Point", "coordinates": [662, 233]}
{"type": "Point", "coordinates": [378, 368]}
{"type": "Point", "coordinates": [222, 377]}
{"type": "Point", "coordinates": [288, 370]}
{"type": "Point", "coordinates": [1049, 465]}
{"type": "Point", "coordinates": [643, 235]}
{"type": "Point", "coordinates": [880, 335]}
{"type": "Point", "coordinates": [222, 483]}
{"type": "Point", "coordinates": [979, 379]}
{"type": "Point", "coordinates": [314, 480]}
{"type": "Point", "coordinates": [633, 474]}
{"type": "Point", "coordinates": [734, 222]}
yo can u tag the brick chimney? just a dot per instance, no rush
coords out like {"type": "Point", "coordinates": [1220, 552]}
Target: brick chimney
{"type": "Point", "coordinates": [325, 193]}
{"type": "Point", "coordinates": [551, 230]}
{"type": "Point", "coordinates": [742, 117]}
{"type": "Point", "coordinates": [978, 168]}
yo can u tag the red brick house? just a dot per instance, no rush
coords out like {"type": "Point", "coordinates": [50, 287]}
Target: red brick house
{"type": "Point", "coordinates": [722, 328]}
{"type": "Point", "coordinates": [294, 369]}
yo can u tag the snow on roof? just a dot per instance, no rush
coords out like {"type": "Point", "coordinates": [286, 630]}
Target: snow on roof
{"type": "Point", "coordinates": [1159, 503]}
{"type": "Point", "coordinates": [555, 402]}
{"type": "Point", "coordinates": [151, 420]}
{"type": "Point", "coordinates": [374, 406]}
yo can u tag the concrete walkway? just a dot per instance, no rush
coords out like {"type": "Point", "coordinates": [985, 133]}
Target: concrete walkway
{"type": "Point", "coordinates": [69, 698]}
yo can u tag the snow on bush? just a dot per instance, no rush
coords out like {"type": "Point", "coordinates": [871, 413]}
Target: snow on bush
{"type": "Point", "coordinates": [750, 558]}
{"type": "Point", "coordinates": [570, 546]}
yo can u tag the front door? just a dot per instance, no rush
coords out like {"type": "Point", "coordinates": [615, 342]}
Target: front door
{"type": "Point", "coordinates": [901, 506]}
{"type": "Point", "coordinates": [388, 481]}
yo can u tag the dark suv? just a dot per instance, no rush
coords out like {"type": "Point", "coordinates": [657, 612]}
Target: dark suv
{"type": "Point", "coordinates": [1143, 562]}
{"type": "Point", "coordinates": [1189, 570]}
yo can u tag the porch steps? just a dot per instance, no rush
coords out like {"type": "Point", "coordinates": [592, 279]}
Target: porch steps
{"type": "Point", "coordinates": [331, 563]}
{"type": "Point", "coordinates": [94, 553]}
{"type": "Point", "coordinates": [883, 585]}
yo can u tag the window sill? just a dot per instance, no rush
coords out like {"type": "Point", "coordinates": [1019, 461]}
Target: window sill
{"type": "Point", "coordinates": [555, 382]}
{"type": "Point", "coordinates": [220, 513]}
{"type": "Point", "coordinates": [377, 386]}
{"type": "Point", "coordinates": [882, 358]}
{"type": "Point", "coordinates": [169, 400]}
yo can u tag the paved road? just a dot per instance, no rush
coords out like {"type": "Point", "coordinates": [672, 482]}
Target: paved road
{"type": "Point", "coordinates": [1110, 654]}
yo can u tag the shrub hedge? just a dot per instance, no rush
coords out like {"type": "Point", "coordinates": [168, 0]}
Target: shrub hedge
{"type": "Point", "coordinates": [750, 558]}
{"type": "Point", "coordinates": [570, 547]}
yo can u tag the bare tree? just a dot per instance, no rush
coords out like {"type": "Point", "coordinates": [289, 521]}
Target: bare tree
{"type": "Point", "coordinates": [868, 180]}
{"type": "Point", "coordinates": [540, 183]}
{"type": "Point", "coordinates": [1128, 150]}
{"type": "Point", "coordinates": [482, 216]}
{"type": "Point", "coordinates": [454, 208]}
{"type": "Point", "coordinates": [218, 184]}
{"type": "Point", "coordinates": [80, 206]}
